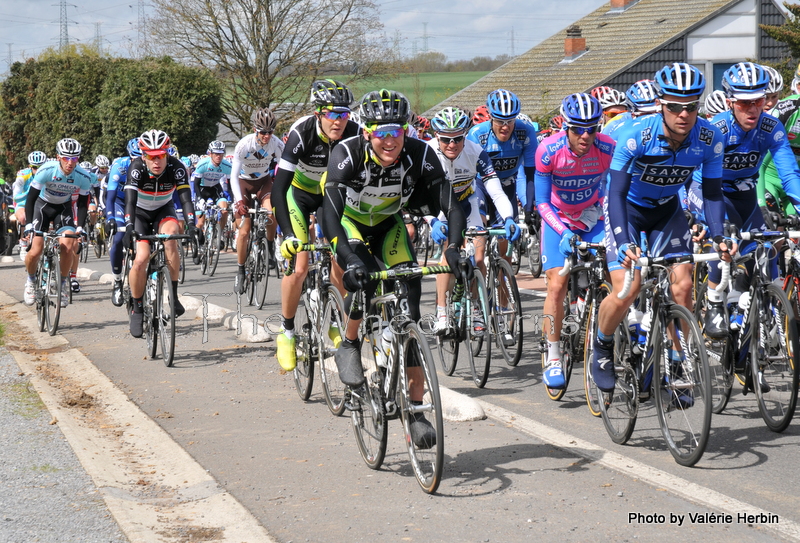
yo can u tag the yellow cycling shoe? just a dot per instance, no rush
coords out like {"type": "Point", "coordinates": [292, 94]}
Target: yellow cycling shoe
{"type": "Point", "coordinates": [335, 335]}
{"type": "Point", "coordinates": [287, 354]}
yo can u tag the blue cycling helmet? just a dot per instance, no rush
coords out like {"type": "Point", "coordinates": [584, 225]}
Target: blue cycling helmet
{"type": "Point", "coordinates": [641, 97]}
{"type": "Point", "coordinates": [450, 120]}
{"type": "Point", "coordinates": [679, 79]}
{"type": "Point", "coordinates": [745, 81]}
{"type": "Point", "coordinates": [503, 105]}
{"type": "Point", "coordinates": [133, 148]}
{"type": "Point", "coordinates": [581, 109]}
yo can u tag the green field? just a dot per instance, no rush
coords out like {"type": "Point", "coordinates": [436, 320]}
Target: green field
{"type": "Point", "coordinates": [424, 90]}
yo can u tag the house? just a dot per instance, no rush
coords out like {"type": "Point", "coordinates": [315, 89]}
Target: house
{"type": "Point", "coordinates": [625, 41]}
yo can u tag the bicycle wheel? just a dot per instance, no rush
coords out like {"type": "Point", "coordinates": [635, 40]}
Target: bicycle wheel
{"type": "Point", "coordinates": [774, 349]}
{"type": "Point", "coordinates": [261, 279]}
{"type": "Point", "coordinates": [213, 252]}
{"type": "Point", "coordinates": [516, 256]}
{"type": "Point", "coordinates": [571, 340]}
{"type": "Point", "coordinates": [447, 341]}
{"type": "Point", "coordinates": [151, 306]}
{"type": "Point", "coordinates": [479, 362]}
{"type": "Point", "coordinates": [204, 252]}
{"type": "Point", "coordinates": [593, 306]}
{"type": "Point", "coordinates": [165, 316]}
{"type": "Point", "coordinates": [84, 253]}
{"type": "Point", "coordinates": [506, 313]}
{"type": "Point", "coordinates": [682, 389]}
{"type": "Point", "coordinates": [368, 414]}
{"type": "Point", "coordinates": [330, 337]}
{"type": "Point", "coordinates": [427, 459]}
{"type": "Point", "coordinates": [182, 258]}
{"type": "Point", "coordinates": [53, 292]}
{"type": "Point", "coordinates": [534, 250]}
{"type": "Point", "coordinates": [423, 243]}
{"type": "Point", "coordinates": [97, 241]}
{"type": "Point", "coordinates": [305, 346]}
{"type": "Point", "coordinates": [620, 408]}
{"type": "Point", "coordinates": [720, 357]}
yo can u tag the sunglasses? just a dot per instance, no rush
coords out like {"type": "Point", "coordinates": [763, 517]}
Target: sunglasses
{"type": "Point", "coordinates": [155, 157]}
{"type": "Point", "coordinates": [335, 116]}
{"type": "Point", "coordinates": [383, 134]}
{"type": "Point", "coordinates": [502, 122]}
{"type": "Point", "coordinates": [448, 141]}
{"type": "Point", "coordinates": [581, 130]}
{"type": "Point", "coordinates": [265, 132]}
{"type": "Point", "coordinates": [747, 104]}
{"type": "Point", "coordinates": [69, 158]}
{"type": "Point", "coordinates": [679, 107]}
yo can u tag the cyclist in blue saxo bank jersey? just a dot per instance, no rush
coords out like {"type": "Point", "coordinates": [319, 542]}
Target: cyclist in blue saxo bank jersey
{"type": "Point", "coordinates": [571, 167]}
{"type": "Point", "coordinates": [152, 178]}
{"type": "Point", "coordinates": [49, 201]}
{"type": "Point", "coordinates": [655, 156]}
{"type": "Point", "coordinates": [297, 193]}
{"type": "Point", "coordinates": [370, 179]}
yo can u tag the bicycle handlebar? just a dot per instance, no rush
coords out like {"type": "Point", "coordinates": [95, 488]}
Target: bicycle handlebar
{"type": "Point", "coordinates": [582, 246]}
{"type": "Point", "coordinates": [677, 259]}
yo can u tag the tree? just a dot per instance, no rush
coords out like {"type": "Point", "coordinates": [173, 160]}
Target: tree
{"type": "Point", "coordinates": [267, 52]}
{"type": "Point", "coordinates": [789, 34]}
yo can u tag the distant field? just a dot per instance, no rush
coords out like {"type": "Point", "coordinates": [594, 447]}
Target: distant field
{"type": "Point", "coordinates": [424, 90]}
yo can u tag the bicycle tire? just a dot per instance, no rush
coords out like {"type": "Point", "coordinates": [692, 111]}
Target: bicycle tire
{"type": "Point", "coordinates": [149, 321]}
{"type": "Point", "coordinates": [53, 291]}
{"type": "Point", "coordinates": [330, 337]}
{"type": "Point", "coordinates": [305, 347]}
{"type": "Point", "coordinates": [213, 257]}
{"type": "Point", "coordinates": [262, 278]}
{"type": "Point", "coordinates": [447, 341]}
{"type": "Point", "coordinates": [774, 351]}
{"type": "Point", "coordinates": [97, 242]}
{"type": "Point", "coordinates": [684, 417]}
{"type": "Point", "coordinates": [368, 416]}
{"type": "Point", "coordinates": [506, 322]}
{"type": "Point", "coordinates": [619, 409]}
{"type": "Point", "coordinates": [427, 462]}
{"type": "Point", "coordinates": [516, 256]}
{"type": "Point", "coordinates": [534, 250]}
{"type": "Point", "coordinates": [720, 357]}
{"type": "Point", "coordinates": [479, 364]}
{"type": "Point", "coordinates": [41, 298]}
{"type": "Point", "coordinates": [593, 397]}
{"type": "Point", "coordinates": [166, 317]}
{"type": "Point", "coordinates": [182, 259]}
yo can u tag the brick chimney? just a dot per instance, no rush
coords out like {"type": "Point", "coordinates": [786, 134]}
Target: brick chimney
{"type": "Point", "coordinates": [574, 44]}
{"type": "Point", "coordinates": [622, 4]}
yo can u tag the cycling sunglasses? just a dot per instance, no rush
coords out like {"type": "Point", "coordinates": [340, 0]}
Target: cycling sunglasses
{"type": "Point", "coordinates": [678, 107]}
{"type": "Point", "coordinates": [581, 130]}
{"type": "Point", "coordinates": [335, 115]}
{"type": "Point", "coordinates": [447, 141]}
{"type": "Point", "coordinates": [384, 133]}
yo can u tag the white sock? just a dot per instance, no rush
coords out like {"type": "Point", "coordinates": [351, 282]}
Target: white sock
{"type": "Point", "coordinates": [553, 350]}
{"type": "Point", "coordinates": [289, 333]}
{"type": "Point", "coordinates": [713, 296]}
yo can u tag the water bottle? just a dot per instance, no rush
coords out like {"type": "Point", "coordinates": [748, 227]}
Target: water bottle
{"type": "Point", "coordinates": [383, 351]}
{"type": "Point", "coordinates": [314, 303]}
{"type": "Point", "coordinates": [646, 318]}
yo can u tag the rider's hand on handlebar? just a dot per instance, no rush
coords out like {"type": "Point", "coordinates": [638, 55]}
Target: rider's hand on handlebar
{"type": "Point", "coordinates": [628, 254]}
{"type": "Point", "coordinates": [355, 276]}
{"type": "Point", "coordinates": [726, 247]}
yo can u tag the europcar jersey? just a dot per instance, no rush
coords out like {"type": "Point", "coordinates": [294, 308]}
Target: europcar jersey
{"type": "Point", "coordinates": [507, 157]}
{"type": "Point", "coordinates": [374, 193]}
{"type": "Point", "coordinates": [307, 151]}
{"type": "Point", "coordinates": [566, 184]}
{"type": "Point", "coordinates": [788, 112]}
{"type": "Point", "coordinates": [155, 192]}
{"type": "Point", "coordinates": [58, 188]}
{"type": "Point", "coordinates": [210, 175]}
{"type": "Point", "coordinates": [657, 171]}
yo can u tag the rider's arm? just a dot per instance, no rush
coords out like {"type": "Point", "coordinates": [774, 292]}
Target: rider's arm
{"type": "Point", "coordinates": [786, 164]}
{"type": "Point", "coordinates": [617, 197]}
{"type": "Point", "coordinates": [236, 170]}
{"type": "Point", "coordinates": [33, 195]}
{"type": "Point", "coordinates": [83, 207]}
{"type": "Point", "coordinates": [493, 186]}
{"type": "Point", "coordinates": [714, 205]}
{"type": "Point", "coordinates": [280, 188]}
{"type": "Point", "coordinates": [544, 187]}
{"type": "Point", "coordinates": [341, 170]}
{"type": "Point", "coordinates": [184, 192]}
{"type": "Point", "coordinates": [448, 203]}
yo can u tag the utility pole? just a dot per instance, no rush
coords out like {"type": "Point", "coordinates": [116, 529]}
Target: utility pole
{"type": "Point", "coordinates": [63, 39]}
{"type": "Point", "coordinates": [10, 59]}
{"type": "Point", "coordinates": [98, 38]}
{"type": "Point", "coordinates": [414, 48]}
{"type": "Point", "coordinates": [512, 42]}
{"type": "Point", "coordinates": [424, 37]}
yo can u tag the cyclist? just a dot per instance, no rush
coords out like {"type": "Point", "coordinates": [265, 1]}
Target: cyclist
{"type": "Point", "coordinates": [641, 100]}
{"type": "Point", "coordinates": [20, 189]}
{"type": "Point", "coordinates": [571, 168]}
{"type": "Point", "coordinates": [462, 161]}
{"type": "Point", "coordinates": [481, 115]}
{"type": "Point", "coordinates": [774, 88]}
{"type": "Point", "coordinates": [49, 201]}
{"type": "Point", "coordinates": [297, 193]}
{"type": "Point", "coordinates": [655, 158]}
{"type": "Point", "coordinates": [611, 100]}
{"type": "Point", "coordinates": [210, 179]}
{"type": "Point", "coordinates": [251, 173]}
{"type": "Point", "coordinates": [716, 102]}
{"type": "Point", "coordinates": [92, 216]}
{"type": "Point", "coordinates": [115, 214]}
{"type": "Point", "coordinates": [370, 178]}
{"type": "Point", "coordinates": [152, 178]}
{"type": "Point", "coordinates": [101, 168]}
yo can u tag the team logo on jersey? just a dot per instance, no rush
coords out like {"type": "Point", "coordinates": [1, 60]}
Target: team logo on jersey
{"type": "Point", "coordinates": [741, 161]}
{"type": "Point", "coordinates": [722, 125]}
{"type": "Point", "coordinates": [343, 164]}
{"type": "Point", "coordinates": [631, 144]}
{"type": "Point", "coordinates": [768, 124]}
{"type": "Point", "coordinates": [706, 136]}
{"type": "Point", "coordinates": [136, 174]}
{"type": "Point", "coordinates": [779, 135]}
{"type": "Point", "coordinates": [666, 175]}
{"type": "Point", "coordinates": [297, 147]}
{"type": "Point", "coordinates": [504, 164]}
{"type": "Point", "coordinates": [180, 173]}
{"type": "Point", "coordinates": [718, 148]}
{"type": "Point", "coordinates": [647, 135]}
{"type": "Point", "coordinates": [546, 159]}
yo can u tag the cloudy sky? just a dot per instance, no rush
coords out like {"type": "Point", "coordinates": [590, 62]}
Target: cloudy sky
{"type": "Point", "coordinates": [461, 29]}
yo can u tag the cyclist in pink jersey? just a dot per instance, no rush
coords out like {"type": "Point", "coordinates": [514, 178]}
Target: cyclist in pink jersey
{"type": "Point", "coordinates": [571, 167]}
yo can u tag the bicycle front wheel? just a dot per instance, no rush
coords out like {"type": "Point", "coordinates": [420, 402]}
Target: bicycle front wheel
{"type": "Point", "coordinates": [477, 315]}
{"type": "Point", "coordinates": [427, 450]}
{"type": "Point", "coordinates": [506, 313]}
{"type": "Point", "coordinates": [53, 292]}
{"type": "Point", "coordinates": [534, 251]}
{"type": "Point", "coordinates": [368, 413]}
{"type": "Point", "coordinates": [592, 393]}
{"type": "Point", "coordinates": [720, 357]}
{"type": "Point", "coordinates": [330, 337]}
{"type": "Point", "coordinates": [773, 363]}
{"type": "Point", "coordinates": [620, 408]}
{"type": "Point", "coordinates": [305, 347]}
{"type": "Point", "coordinates": [682, 388]}
{"type": "Point", "coordinates": [213, 252]}
{"type": "Point", "coordinates": [41, 296]}
{"type": "Point", "coordinates": [165, 316]}
{"type": "Point", "coordinates": [182, 259]}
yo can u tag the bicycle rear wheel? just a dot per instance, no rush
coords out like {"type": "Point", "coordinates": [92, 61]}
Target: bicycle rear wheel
{"type": "Point", "coordinates": [427, 459]}
{"type": "Point", "coordinates": [593, 397]}
{"type": "Point", "coordinates": [41, 296]}
{"type": "Point", "coordinates": [368, 416]}
{"type": "Point", "coordinates": [479, 362]}
{"type": "Point", "coordinates": [182, 258]}
{"type": "Point", "coordinates": [53, 292]}
{"type": "Point", "coordinates": [330, 337]}
{"type": "Point", "coordinates": [720, 357]}
{"type": "Point", "coordinates": [262, 273]}
{"type": "Point", "coordinates": [774, 365]}
{"type": "Point", "coordinates": [506, 313]}
{"type": "Point", "coordinates": [213, 252]}
{"type": "Point", "coordinates": [620, 408]}
{"type": "Point", "coordinates": [447, 341]}
{"type": "Point", "coordinates": [305, 347]}
{"type": "Point", "coordinates": [682, 388]}
{"type": "Point", "coordinates": [516, 256]}
{"type": "Point", "coordinates": [534, 250]}
{"type": "Point", "coordinates": [165, 316]}
{"type": "Point", "coordinates": [150, 321]}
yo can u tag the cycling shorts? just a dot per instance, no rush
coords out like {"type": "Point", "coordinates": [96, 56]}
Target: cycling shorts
{"type": "Point", "coordinates": [262, 188]}
{"type": "Point", "coordinates": [552, 257]}
{"type": "Point", "coordinates": [301, 205]}
{"type": "Point", "coordinates": [62, 216]}
{"type": "Point", "coordinates": [149, 222]}
{"type": "Point", "coordinates": [471, 209]}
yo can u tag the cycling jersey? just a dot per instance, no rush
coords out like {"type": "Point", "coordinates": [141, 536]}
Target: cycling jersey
{"type": "Point", "coordinates": [21, 185]}
{"type": "Point", "coordinates": [616, 124]}
{"type": "Point", "coordinates": [251, 161]}
{"type": "Point", "coordinates": [150, 193]}
{"type": "Point", "coordinates": [55, 187]}
{"type": "Point", "coordinates": [208, 175]}
{"type": "Point", "coordinates": [769, 181]}
{"type": "Point", "coordinates": [569, 187]}
{"type": "Point", "coordinates": [507, 157]}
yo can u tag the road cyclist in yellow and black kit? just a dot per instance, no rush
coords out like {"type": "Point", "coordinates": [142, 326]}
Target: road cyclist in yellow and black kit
{"type": "Point", "coordinates": [297, 192]}
{"type": "Point", "coordinates": [149, 209]}
{"type": "Point", "coordinates": [370, 179]}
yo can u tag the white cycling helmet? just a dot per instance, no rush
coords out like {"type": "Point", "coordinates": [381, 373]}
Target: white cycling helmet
{"type": "Point", "coordinates": [715, 103]}
{"type": "Point", "coordinates": [68, 148]}
{"type": "Point", "coordinates": [101, 161]}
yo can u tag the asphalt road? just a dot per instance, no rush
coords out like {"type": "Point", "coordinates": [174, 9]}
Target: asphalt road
{"type": "Point", "coordinates": [297, 469]}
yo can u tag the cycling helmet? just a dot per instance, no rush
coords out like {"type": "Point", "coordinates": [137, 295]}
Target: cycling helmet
{"type": "Point", "coordinates": [101, 161]}
{"type": "Point", "coordinates": [745, 81]}
{"type": "Point", "coordinates": [216, 146]}
{"type": "Point", "coordinates": [503, 105]}
{"type": "Point", "coordinates": [68, 147]}
{"type": "Point", "coordinates": [679, 79]}
{"type": "Point", "coordinates": [423, 124]}
{"type": "Point", "coordinates": [37, 158]}
{"type": "Point", "coordinates": [194, 159]}
{"type": "Point", "coordinates": [384, 107]}
{"type": "Point", "coordinates": [715, 103]}
{"type": "Point", "coordinates": [264, 120]}
{"type": "Point", "coordinates": [608, 97]}
{"type": "Point", "coordinates": [133, 148]}
{"type": "Point", "coordinates": [775, 80]}
{"type": "Point", "coordinates": [581, 109]}
{"type": "Point", "coordinates": [172, 150]}
{"type": "Point", "coordinates": [86, 165]}
{"type": "Point", "coordinates": [641, 97]}
{"type": "Point", "coordinates": [331, 94]}
{"type": "Point", "coordinates": [556, 123]}
{"type": "Point", "coordinates": [154, 142]}
{"type": "Point", "coordinates": [481, 115]}
{"type": "Point", "coordinates": [450, 120]}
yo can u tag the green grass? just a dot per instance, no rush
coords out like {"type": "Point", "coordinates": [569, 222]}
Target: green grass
{"type": "Point", "coordinates": [25, 400]}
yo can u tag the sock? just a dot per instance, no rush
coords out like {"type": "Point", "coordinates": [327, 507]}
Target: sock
{"type": "Point", "coordinates": [351, 341]}
{"type": "Point", "coordinates": [175, 289]}
{"type": "Point", "coordinates": [72, 275]}
{"type": "Point", "coordinates": [288, 326]}
{"type": "Point", "coordinates": [117, 277]}
{"type": "Point", "coordinates": [138, 305]}
{"type": "Point", "coordinates": [553, 350]}
{"type": "Point", "coordinates": [31, 278]}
